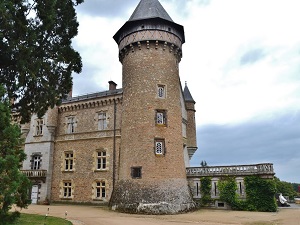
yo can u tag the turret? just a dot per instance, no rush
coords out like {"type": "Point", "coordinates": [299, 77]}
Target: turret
{"type": "Point", "coordinates": [191, 122]}
{"type": "Point", "coordinates": [151, 176]}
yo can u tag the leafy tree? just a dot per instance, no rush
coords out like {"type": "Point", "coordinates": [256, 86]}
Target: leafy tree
{"type": "Point", "coordinates": [36, 56]}
{"type": "Point", "coordinates": [13, 184]}
{"type": "Point", "coordinates": [286, 188]}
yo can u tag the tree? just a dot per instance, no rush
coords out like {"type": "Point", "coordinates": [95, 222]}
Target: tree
{"type": "Point", "coordinates": [13, 184]}
{"type": "Point", "coordinates": [286, 188]}
{"type": "Point", "coordinates": [36, 56]}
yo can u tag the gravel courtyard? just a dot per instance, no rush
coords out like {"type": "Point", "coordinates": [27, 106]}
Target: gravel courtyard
{"type": "Point", "coordinates": [92, 215]}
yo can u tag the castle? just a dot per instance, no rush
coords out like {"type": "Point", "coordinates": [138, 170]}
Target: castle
{"type": "Point", "coordinates": [131, 146]}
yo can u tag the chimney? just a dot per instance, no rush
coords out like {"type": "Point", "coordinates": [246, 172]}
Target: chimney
{"type": "Point", "coordinates": [112, 85]}
{"type": "Point", "coordinates": [70, 94]}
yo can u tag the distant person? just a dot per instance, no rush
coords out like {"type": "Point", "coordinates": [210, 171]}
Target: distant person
{"type": "Point", "coordinates": [283, 201]}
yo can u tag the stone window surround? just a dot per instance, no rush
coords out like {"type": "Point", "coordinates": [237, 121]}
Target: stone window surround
{"type": "Point", "coordinates": [164, 119]}
{"type": "Point", "coordinates": [96, 187]}
{"type": "Point", "coordinates": [38, 125]}
{"type": "Point", "coordinates": [161, 142]}
{"type": "Point", "coordinates": [71, 161]}
{"type": "Point", "coordinates": [102, 120]}
{"type": "Point", "coordinates": [161, 91]}
{"type": "Point", "coordinates": [70, 189]}
{"type": "Point", "coordinates": [96, 157]}
{"type": "Point", "coordinates": [39, 161]}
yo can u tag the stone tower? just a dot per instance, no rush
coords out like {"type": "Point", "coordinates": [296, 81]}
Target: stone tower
{"type": "Point", "coordinates": [191, 122]}
{"type": "Point", "coordinates": [151, 174]}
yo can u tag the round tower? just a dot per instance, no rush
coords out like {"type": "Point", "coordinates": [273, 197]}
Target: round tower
{"type": "Point", "coordinates": [151, 170]}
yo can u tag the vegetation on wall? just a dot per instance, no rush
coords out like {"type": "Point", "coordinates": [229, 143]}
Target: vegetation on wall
{"type": "Point", "coordinates": [259, 194]}
{"type": "Point", "coordinates": [205, 190]}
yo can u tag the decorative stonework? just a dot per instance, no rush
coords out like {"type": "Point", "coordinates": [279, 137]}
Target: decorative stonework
{"type": "Point", "coordinates": [150, 35]}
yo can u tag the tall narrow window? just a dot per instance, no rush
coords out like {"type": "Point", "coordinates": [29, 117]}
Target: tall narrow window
{"type": "Point", "coordinates": [161, 117]}
{"type": "Point", "coordinates": [161, 91]}
{"type": "Point", "coordinates": [67, 189]}
{"type": "Point", "coordinates": [101, 160]}
{"type": "Point", "coordinates": [100, 190]}
{"type": "Point", "coordinates": [36, 162]}
{"type": "Point", "coordinates": [102, 123]}
{"type": "Point", "coordinates": [159, 147]}
{"type": "Point", "coordinates": [69, 161]}
{"type": "Point", "coordinates": [39, 127]}
{"type": "Point", "coordinates": [71, 125]}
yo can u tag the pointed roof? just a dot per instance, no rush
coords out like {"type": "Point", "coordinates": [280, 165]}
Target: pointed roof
{"type": "Point", "coordinates": [187, 94]}
{"type": "Point", "coordinates": [149, 9]}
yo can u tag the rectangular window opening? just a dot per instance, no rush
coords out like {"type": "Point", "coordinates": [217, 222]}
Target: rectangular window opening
{"type": "Point", "coordinates": [136, 172]}
{"type": "Point", "coordinates": [102, 122]}
{"type": "Point", "coordinates": [159, 147]}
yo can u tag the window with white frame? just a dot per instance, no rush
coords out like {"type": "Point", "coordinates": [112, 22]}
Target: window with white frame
{"type": "Point", "coordinates": [36, 160]}
{"type": "Point", "coordinates": [67, 189]}
{"type": "Point", "coordinates": [161, 117]}
{"type": "Point", "coordinates": [69, 160]}
{"type": "Point", "coordinates": [100, 190]}
{"type": "Point", "coordinates": [159, 146]}
{"type": "Point", "coordinates": [39, 127]}
{"type": "Point", "coordinates": [101, 160]}
{"type": "Point", "coordinates": [161, 91]}
{"type": "Point", "coordinates": [102, 122]}
{"type": "Point", "coordinates": [71, 125]}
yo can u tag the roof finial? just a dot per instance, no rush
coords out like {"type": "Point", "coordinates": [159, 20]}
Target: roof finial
{"type": "Point", "coordinates": [185, 83]}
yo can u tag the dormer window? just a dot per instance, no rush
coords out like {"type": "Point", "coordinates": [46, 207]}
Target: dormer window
{"type": "Point", "coordinates": [39, 127]}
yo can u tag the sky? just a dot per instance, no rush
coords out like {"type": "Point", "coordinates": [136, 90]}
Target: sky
{"type": "Point", "coordinates": [241, 62]}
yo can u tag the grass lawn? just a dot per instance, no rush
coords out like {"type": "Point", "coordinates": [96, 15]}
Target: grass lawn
{"type": "Point", "coordinates": [29, 219]}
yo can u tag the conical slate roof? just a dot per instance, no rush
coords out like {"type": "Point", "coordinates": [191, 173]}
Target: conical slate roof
{"type": "Point", "coordinates": [187, 94]}
{"type": "Point", "coordinates": [149, 9]}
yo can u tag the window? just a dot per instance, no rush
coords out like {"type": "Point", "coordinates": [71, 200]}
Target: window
{"type": "Point", "coordinates": [100, 190]}
{"type": "Point", "coordinates": [36, 162]}
{"type": "Point", "coordinates": [159, 147]}
{"type": "Point", "coordinates": [161, 117]}
{"type": "Point", "coordinates": [102, 123]}
{"type": "Point", "coordinates": [136, 172]}
{"type": "Point", "coordinates": [67, 189]}
{"type": "Point", "coordinates": [69, 161]}
{"type": "Point", "coordinates": [39, 127]}
{"type": "Point", "coordinates": [71, 125]}
{"type": "Point", "coordinates": [161, 92]}
{"type": "Point", "coordinates": [101, 160]}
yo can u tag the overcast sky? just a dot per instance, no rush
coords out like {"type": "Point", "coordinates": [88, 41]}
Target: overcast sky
{"type": "Point", "coordinates": [241, 61]}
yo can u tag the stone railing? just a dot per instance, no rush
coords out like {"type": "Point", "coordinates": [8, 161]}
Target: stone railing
{"type": "Point", "coordinates": [35, 173]}
{"type": "Point", "coordinates": [236, 170]}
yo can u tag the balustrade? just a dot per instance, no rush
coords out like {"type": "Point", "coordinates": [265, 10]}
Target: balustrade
{"type": "Point", "coordinates": [241, 170]}
{"type": "Point", "coordinates": [35, 173]}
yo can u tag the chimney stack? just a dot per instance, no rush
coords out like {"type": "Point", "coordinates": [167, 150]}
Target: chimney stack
{"type": "Point", "coordinates": [112, 85]}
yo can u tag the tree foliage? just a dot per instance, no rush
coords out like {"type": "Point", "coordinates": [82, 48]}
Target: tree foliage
{"type": "Point", "coordinates": [286, 188]}
{"type": "Point", "coordinates": [36, 56]}
{"type": "Point", "coordinates": [205, 190]}
{"type": "Point", "coordinates": [13, 184]}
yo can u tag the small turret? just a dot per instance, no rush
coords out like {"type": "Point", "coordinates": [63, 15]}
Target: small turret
{"type": "Point", "coordinates": [191, 124]}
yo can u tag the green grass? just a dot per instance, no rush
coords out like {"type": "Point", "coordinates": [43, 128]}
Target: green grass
{"type": "Point", "coordinates": [29, 219]}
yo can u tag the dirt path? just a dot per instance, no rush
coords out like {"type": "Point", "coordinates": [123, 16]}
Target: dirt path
{"type": "Point", "coordinates": [91, 215]}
